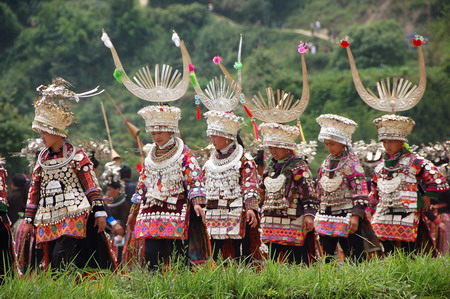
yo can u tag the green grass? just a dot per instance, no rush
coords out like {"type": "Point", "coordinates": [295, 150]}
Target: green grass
{"type": "Point", "coordinates": [393, 277]}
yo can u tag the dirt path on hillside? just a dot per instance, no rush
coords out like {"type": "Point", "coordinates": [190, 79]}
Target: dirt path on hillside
{"type": "Point", "coordinates": [321, 35]}
{"type": "Point", "coordinates": [378, 13]}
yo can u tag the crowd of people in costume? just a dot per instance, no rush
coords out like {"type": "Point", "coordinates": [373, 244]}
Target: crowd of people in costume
{"type": "Point", "coordinates": [233, 206]}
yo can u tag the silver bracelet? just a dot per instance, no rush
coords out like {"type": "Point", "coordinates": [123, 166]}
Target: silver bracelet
{"type": "Point", "coordinates": [28, 220]}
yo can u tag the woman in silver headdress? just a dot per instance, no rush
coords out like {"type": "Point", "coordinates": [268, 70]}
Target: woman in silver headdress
{"type": "Point", "coordinates": [65, 202]}
{"type": "Point", "coordinates": [166, 210]}
{"type": "Point", "coordinates": [341, 189]}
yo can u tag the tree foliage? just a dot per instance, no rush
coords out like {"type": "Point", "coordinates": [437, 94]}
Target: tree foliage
{"type": "Point", "coordinates": [45, 39]}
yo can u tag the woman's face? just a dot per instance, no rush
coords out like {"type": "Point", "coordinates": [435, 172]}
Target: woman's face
{"type": "Point", "coordinates": [220, 142]}
{"type": "Point", "coordinates": [278, 153]}
{"type": "Point", "coordinates": [112, 192]}
{"type": "Point", "coordinates": [51, 140]}
{"type": "Point", "coordinates": [161, 138]}
{"type": "Point", "coordinates": [392, 146]}
{"type": "Point", "coordinates": [333, 147]}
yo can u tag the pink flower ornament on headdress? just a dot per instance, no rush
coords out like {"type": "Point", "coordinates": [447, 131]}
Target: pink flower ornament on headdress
{"type": "Point", "coordinates": [303, 48]}
{"type": "Point", "coordinates": [217, 59]}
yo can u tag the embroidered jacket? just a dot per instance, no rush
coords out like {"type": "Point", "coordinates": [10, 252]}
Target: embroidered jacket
{"type": "Point", "coordinates": [343, 189]}
{"type": "Point", "coordinates": [60, 198]}
{"type": "Point", "coordinates": [165, 192]}
{"type": "Point", "coordinates": [249, 182]}
{"type": "Point", "coordinates": [288, 193]}
{"type": "Point", "coordinates": [396, 183]}
{"type": "Point", "coordinates": [297, 194]}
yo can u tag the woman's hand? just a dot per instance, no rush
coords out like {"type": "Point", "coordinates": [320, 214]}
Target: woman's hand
{"type": "Point", "coordinates": [251, 218]}
{"type": "Point", "coordinates": [308, 223]}
{"type": "Point", "coordinates": [131, 222]}
{"type": "Point", "coordinates": [200, 213]}
{"type": "Point", "coordinates": [354, 223]}
{"type": "Point", "coordinates": [100, 222]}
{"type": "Point", "coordinates": [27, 228]}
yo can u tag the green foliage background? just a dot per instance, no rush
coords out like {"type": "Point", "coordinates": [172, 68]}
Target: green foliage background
{"type": "Point", "coordinates": [44, 39]}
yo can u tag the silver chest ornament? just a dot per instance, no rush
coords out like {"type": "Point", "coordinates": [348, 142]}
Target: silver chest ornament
{"type": "Point", "coordinates": [274, 184]}
{"type": "Point", "coordinates": [53, 193]}
{"type": "Point", "coordinates": [222, 177]}
{"type": "Point", "coordinates": [167, 173]}
{"type": "Point", "coordinates": [61, 195]}
{"type": "Point", "coordinates": [389, 186]}
{"type": "Point", "coordinates": [331, 185]}
{"type": "Point", "coordinates": [275, 198]}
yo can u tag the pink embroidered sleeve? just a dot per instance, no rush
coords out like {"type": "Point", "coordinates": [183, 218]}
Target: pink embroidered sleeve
{"type": "Point", "coordinates": [249, 183]}
{"type": "Point", "coordinates": [193, 181]}
{"type": "Point", "coordinates": [33, 193]}
{"type": "Point", "coordinates": [3, 190]}
{"type": "Point", "coordinates": [429, 174]}
{"type": "Point", "coordinates": [304, 185]}
{"type": "Point", "coordinates": [357, 183]}
{"type": "Point", "coordinates": [373, 195]}
{"type": "Point", "coordinates": [319, 176]}
{"type": "Point", "coordinates": [85, 173]}
{"type": "Point", "coordinates": [141, 189]}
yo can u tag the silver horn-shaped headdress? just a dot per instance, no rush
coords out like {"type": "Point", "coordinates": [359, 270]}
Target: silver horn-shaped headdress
{"type": "Point", "coordinates": [279, 107]}
{"type": "Point", "coordinates": [398, 95]}
{"type": "Point", "coordinates": [220, 95]}
{"type": "Point", "coordinates": [166, 86]}
{"type": "Point", "coordinates": [221, 99]}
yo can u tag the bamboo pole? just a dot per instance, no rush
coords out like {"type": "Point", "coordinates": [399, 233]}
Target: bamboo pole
{"type": "Point", "coordinates": [132, 129]}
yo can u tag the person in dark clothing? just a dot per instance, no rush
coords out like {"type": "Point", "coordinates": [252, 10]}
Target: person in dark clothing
{"type": "Point", "coordinates": [17, 198]}
{"type": "Point", "coordinates": [117, 207]}
{"type": "Point", "coordinates": [130, 187]}
{"type": "Point", "coordinates": [116, 203]}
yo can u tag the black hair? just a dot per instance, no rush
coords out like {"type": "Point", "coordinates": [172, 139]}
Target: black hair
{"type": "Point", "coordinates": [125, 172]}
{"type": "Point", "coordinates": [259, 158]}
{"type": "Point", "coordinates": [94, 161]}
{"type": "Point", "coordinates": [19, 180]}
{"type": "Point", "coordinates": [114, 184]}
{"type": "Point", "coordinates": [239, 139]}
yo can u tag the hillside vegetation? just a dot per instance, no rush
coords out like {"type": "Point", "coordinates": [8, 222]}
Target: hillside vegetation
{"type": "Point", "coordinates": [44, 39]}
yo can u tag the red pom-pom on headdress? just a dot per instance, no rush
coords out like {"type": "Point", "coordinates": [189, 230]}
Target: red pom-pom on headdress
{"type": "Point", "coordinates": [345, 42]}
{"type": "Point", "coordinates": [417, 40]}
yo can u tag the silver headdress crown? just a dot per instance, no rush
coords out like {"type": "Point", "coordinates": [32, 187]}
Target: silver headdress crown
{"type": "Point", "coordinates": [394, 127]}
{"type": "Point", "coordinates": [53, 108]}
{"type": "Point", "coordinates": [31, 150]}
{"type": "Point", "coordinates": [337, 128]}
{"type": "Point", "coordinates": [436, 152]}
{"type": "Point", "coordinates": [166, 86]}
{"type": "Point", "coordinates": [95, 148]}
